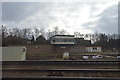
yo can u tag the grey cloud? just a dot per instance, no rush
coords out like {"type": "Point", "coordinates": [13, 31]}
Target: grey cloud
{"type": "Point", "coordinates": [18, 11]}
{"type": "Point", "coordinates": [108, 21]}
{"type": "Point", "coordinates": [15, 12]}
{"type": "Point", "coordinates": [119, 17]}
{"type": "Point", "coordinates": [0, 13]}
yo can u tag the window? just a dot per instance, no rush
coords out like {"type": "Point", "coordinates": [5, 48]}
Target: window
{"type": "Point", "coordinates": [58, 40]}
{"type": "Point", "coordinates": [71, 49]}
{"type": "Point", "coordinates": [69, 40]}
{"type": "Point", "coordinates": [53, 40]}
{"type": "Point", "coordinates": [65, 40]}
{"type": "Point", "coordinates": [62, 40]}
{"type": "Point", "coordinates": [76, 49]}
{"type": "Point", "coordinates": [94, 48]}
{"type": "Point", "coordinates": [72, 40]}
{"type": "Point", "coordinates": [63, 47]}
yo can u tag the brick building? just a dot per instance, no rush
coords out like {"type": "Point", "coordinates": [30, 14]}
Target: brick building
{"type": "Point", "coordinates": [68, 43]}
{"type": "Point", "coordinates": [58, 45]}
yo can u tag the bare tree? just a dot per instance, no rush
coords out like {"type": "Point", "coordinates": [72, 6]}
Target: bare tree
{"type": "Point", "coordinates": [63, 32]}
{"type": "Point", "coordinates": [4, 31]}
{"type": "Point", "coordinates": [36, 32]}
{"type": "Point", "coordinates": [55, 30]}
{"type": "Point", "coordinates": [24, 33]}
{"type": "Point", "coordinates": [16, 32]}
{"type": "Point", "coordinates": [42, 32]}
{"type": "Point", "coordinates": [78, 35]}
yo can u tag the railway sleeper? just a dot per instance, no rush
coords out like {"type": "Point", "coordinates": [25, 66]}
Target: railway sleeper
{"type": "Point", "coordinates": [55, 74]}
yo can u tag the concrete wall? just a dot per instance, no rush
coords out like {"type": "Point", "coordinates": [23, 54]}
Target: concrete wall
{"type": "Point", "coordinates": [33, 50]}
{"type": "Point", "coordinates": [72, 49]}
{"type": "Point", "coordinates": [13, 53]}
{"type": "Point", "coordinates": [42, 51]}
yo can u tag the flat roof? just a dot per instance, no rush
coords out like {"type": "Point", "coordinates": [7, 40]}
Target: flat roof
{"type": "Point", "coordinates": [62, 36]}
{"type": "Point", "coordinates": [65, 35]}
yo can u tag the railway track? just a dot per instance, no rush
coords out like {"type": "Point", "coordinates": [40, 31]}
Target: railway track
{"type": "Point", "coordinates": [58, 78]}
{"type": "Point", "coordinates": [24, 70]}
{"type": "Point", "coordinates": [58, 62]}
{"type": "Point", "coordinates": [63, 72]}
{"type": "Point", "coordinates": [62, 64]}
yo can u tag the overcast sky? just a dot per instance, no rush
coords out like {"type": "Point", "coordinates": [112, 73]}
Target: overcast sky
{"type": "Point", "coordinates": [84, 17]}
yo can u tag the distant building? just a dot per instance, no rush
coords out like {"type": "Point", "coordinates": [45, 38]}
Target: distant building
{"type": "Point", "coordinates": [93, 49]}
{"type": "Point", "coordinates": [68, 43]}
{"type": "Point", "coordinates": [81, 41]}
{"type": "Point", "coordinates": [62, 39]}
{"type": "Point", "coordinates": [59, 44]}
{"type": "Point", "coordinates": [69, 39]}
{"type": "Point", "coordinates": [41, 40]}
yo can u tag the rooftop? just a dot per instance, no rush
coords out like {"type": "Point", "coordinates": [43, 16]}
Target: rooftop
{"type": "Point", "coordinates": [65, 35]}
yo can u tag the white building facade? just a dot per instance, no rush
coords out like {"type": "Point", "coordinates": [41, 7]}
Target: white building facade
{"type": "Point", "coordinates": [93, 49]}
{"type": "Point", "coordinates": [17, 53]}
{"type": "Point", "coordinates": [60, 39]}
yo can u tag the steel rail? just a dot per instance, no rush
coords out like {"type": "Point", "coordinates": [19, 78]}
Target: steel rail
{"type": "Point", "coordinates": [65, 70]}
{"type": "Point", "coordinates": [67, 62]}
{"type": "Point", "coordinates": [58, 78]}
